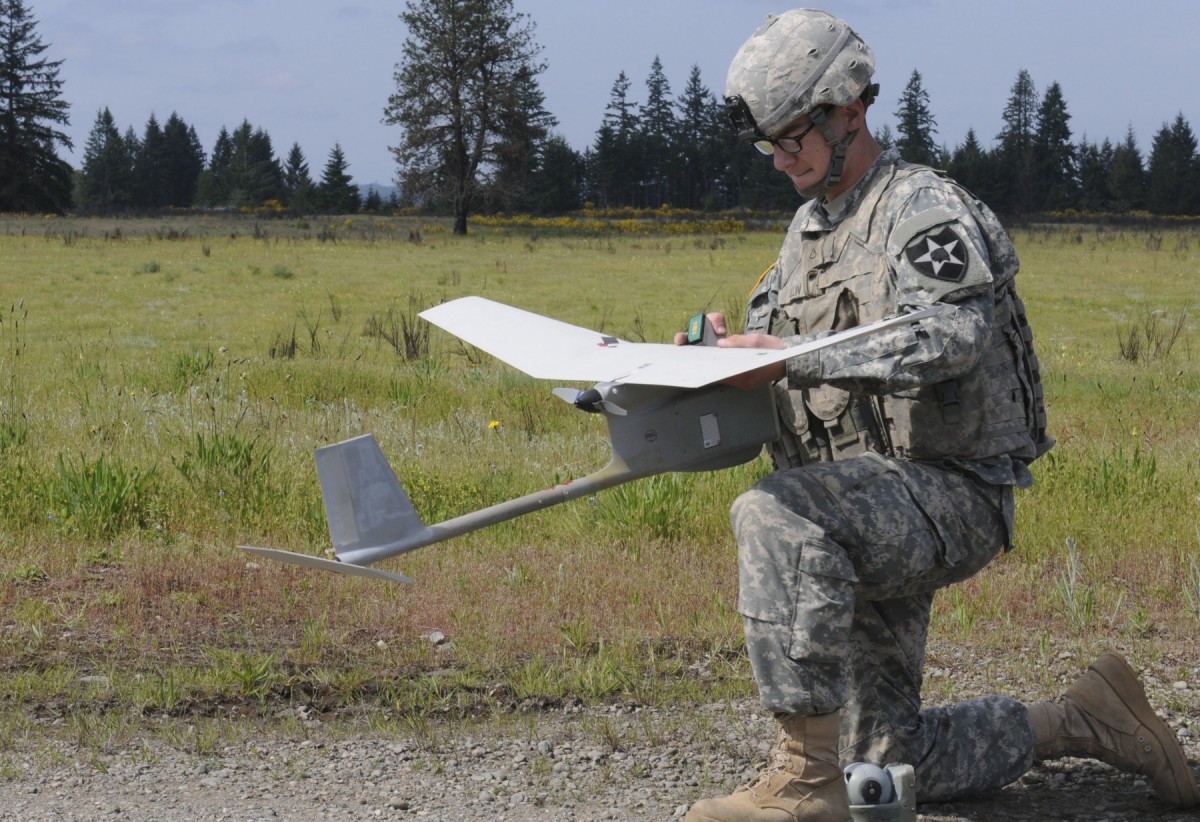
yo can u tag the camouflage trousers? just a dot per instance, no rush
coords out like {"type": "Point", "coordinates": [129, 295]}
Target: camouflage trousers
{"type": "Point", "coordinates": [838, 565]}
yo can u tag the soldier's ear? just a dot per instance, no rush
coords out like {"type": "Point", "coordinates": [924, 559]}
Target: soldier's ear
{"type": "Point", "coordinates": [855, 114]}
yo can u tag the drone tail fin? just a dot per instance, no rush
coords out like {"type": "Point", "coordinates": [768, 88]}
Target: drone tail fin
{"type": "Point", "coordinates": [365, 505]}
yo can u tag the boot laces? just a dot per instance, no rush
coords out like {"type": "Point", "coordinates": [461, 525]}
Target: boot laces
{"type": "Point", "coordinates": [780, 760]}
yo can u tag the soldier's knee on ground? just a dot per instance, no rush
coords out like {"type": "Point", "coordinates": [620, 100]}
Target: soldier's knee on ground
{"type": "Point", "coordinates": [745, 510]}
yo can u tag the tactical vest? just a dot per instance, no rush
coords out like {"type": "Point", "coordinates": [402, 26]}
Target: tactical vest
{"type": "Point", "coordinates": [844, 279]}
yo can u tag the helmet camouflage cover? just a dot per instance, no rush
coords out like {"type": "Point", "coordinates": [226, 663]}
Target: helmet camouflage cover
{"type": "Point", "coordinates": [795, 62]}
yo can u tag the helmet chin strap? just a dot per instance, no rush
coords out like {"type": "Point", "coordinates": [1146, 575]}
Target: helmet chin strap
{"type": "Point", "coordinates": [838, 147]}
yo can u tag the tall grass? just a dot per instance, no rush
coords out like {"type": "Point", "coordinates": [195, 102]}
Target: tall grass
{"type": "Point", "coordinates": [168, 412]}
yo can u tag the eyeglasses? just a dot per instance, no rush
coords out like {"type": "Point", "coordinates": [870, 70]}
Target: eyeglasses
{"type": "Point", "coordinates": [791, 145]}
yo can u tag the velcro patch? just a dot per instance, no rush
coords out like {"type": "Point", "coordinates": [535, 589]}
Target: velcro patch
{"type": "Point", "coordinates": [942, 255]}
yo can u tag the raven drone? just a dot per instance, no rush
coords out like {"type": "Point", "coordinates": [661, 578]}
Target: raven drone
{"type": "Point", "coordinates": [666, 406]}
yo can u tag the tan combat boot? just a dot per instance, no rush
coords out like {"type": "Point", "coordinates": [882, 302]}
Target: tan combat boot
{"type": "Point", "coordinates": [1105, 716]}
{"type": "Point", "coordinates": [803, 780]}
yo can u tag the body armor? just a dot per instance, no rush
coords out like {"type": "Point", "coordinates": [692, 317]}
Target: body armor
{"type": "Point", "coordinates": [843, 277]}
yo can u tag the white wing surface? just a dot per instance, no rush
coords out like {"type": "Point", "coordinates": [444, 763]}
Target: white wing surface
{"type": "Point", "coordinates": [552, 350]}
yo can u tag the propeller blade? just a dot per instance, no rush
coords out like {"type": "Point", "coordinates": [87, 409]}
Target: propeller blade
{"type": "Point", "coordinates": [567, 394]}
{"type": "Point", "coordinates": [590, 400]}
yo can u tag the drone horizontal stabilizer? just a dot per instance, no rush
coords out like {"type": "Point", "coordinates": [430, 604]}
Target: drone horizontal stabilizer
{"type": "Point", "coordinates": [320, 563]}
{"type": "Point", "coordinates": [549, 349]}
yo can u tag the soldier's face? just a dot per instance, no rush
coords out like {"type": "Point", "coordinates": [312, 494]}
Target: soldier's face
{"type": "Point", "coordinates": [807, 167]}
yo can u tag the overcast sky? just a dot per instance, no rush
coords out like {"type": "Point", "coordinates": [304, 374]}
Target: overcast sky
{"type": "Point", "coordinates": [319, 73]}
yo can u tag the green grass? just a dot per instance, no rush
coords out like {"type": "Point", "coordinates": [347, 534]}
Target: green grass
{"type": "Point", "coordinates": [164, 383]}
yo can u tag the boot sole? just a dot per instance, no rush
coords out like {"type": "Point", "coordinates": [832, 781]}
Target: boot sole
{"type": "Point", "coordinates": [1123, 682]}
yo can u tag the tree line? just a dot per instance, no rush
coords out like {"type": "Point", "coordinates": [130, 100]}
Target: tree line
{"type": "Point", "coordinates": [1035, 167]}
{"type": "Point", "coordinates": [496, 149]}
{"type": "Point", "coordinates": [166, 167]}
{"type": "Point", "coordinates": [680, 151]}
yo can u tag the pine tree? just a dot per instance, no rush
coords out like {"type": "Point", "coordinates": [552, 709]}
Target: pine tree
{"type": "Point", "coordinates": [373, 202]}
{"type": "Point", "coordinates": [613, 165]}
{"type": "Point", "coordinates": [336, 192]}
{"type": "Point", "coordinates": [255, 175]}
{"type": "Point", "coordinates": [32, 176]}
{"type": "Point", "coordinates": [1127, 175]}
{"type": "Point", "coordinates": [1056, 166]}
{"type": "Point", "coordinates": [105, 180]}
{"type": "Point", "coordinates": [657, 128]}
{"type": "Point", "coordinates": [133, 144]}
{"type": "Point", "coordinates": [149, 168]}
{"type": "Point", "coordinates": [1015, 152]}
{"type": "Point", "coordinates": [723, 156]}
{"type": "Point", "coordinates": [462, 83]}
{"type": "Point", "coordinates": [973, 167]}
{"type": "Point", "coordinates": [1173, 173]}
{"type": "Point", "coordinates": [183, 162]}
{"type": "Point", "coordinates": [706, 154]}
{"type": "Point", "coordinates": [298, 182]}
{"type": "Point", "coordinates": [215, 182]}
{"type": "Point", "coordinates": [1095, 169]}
{"type": "Point", "coordinates": [621, 113]}
{"type": "Point", "coordinates": [916, 125]}
{"type": "Point", "coordinates": [885, 137]}
{"type": "Point", "coordinates": [524, 131]}
{"type": "Point", "coordinates": [692, 143]}
{"type": "Point", "coordinates": [558, 178]}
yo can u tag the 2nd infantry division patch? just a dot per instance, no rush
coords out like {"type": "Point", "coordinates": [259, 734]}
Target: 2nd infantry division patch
{"type": "Point", "coordinates": [942, 256]}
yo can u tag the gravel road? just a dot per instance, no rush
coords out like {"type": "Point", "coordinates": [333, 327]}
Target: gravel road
{"type": "Point", "coordinates": [609, 763]}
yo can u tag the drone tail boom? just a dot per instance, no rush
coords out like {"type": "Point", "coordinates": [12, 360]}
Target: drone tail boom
{"type": "Point", "coordinates": [372, 519]}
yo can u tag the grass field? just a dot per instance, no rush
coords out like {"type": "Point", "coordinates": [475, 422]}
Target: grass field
{"type": "Point", "coordinates": [164, 383]}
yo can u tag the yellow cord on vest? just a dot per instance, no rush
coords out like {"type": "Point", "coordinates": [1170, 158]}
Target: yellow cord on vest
{"type": "Point", "coordinates": [761, 277]}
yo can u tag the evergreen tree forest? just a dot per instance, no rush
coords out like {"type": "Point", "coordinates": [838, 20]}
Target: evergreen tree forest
{"type": "Point", "coordinates": [653, 146]}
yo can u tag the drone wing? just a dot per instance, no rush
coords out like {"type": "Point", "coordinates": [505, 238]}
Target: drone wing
{"type": "Point", "coordinates": [552, 350]}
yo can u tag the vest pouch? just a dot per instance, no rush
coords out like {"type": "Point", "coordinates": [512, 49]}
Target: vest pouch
{"type": "Point", "coordinates": [795, 446]}
{"type": "Point", "coordinates": [790, 406]}
{"type": "Point", "coordinates": [826, 402]}
{"type": "Point", "coordinates": [937, 421]}
{"type": "Point", "coordinates": [818, 416]}
{"type": "Point", "coordinates": [830, 406]}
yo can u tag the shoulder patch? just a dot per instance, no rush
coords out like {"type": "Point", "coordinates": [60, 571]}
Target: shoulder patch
{"type": "Point", "coordinates": [942, 255]}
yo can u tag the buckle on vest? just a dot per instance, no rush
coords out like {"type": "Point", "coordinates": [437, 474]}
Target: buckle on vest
{"type": "Point", "coordinates": [951, 404]}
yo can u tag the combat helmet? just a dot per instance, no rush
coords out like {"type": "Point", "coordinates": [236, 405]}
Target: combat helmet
{"type": "Point", "coordinates": [800, 62]}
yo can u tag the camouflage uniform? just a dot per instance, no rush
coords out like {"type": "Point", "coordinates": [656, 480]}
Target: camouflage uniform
{"type": "Point", "coordinates": [896, 470]}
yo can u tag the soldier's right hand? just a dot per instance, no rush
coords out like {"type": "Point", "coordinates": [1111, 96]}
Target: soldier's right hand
{"type": "Point", "coordinates": [716, 318]}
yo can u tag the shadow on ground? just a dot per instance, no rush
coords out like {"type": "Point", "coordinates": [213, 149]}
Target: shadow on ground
{"type": "Point", "coordinates": [1066, 790]}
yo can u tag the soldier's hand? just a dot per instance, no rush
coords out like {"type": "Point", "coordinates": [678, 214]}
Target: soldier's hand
{"type": "Point", "coordinates": [716, 318]}
{"type": "Point", "coordinates": [759, 376]}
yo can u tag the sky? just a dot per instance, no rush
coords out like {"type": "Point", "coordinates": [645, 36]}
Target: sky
{"type": "Point", "coordinates": [320, 73]}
